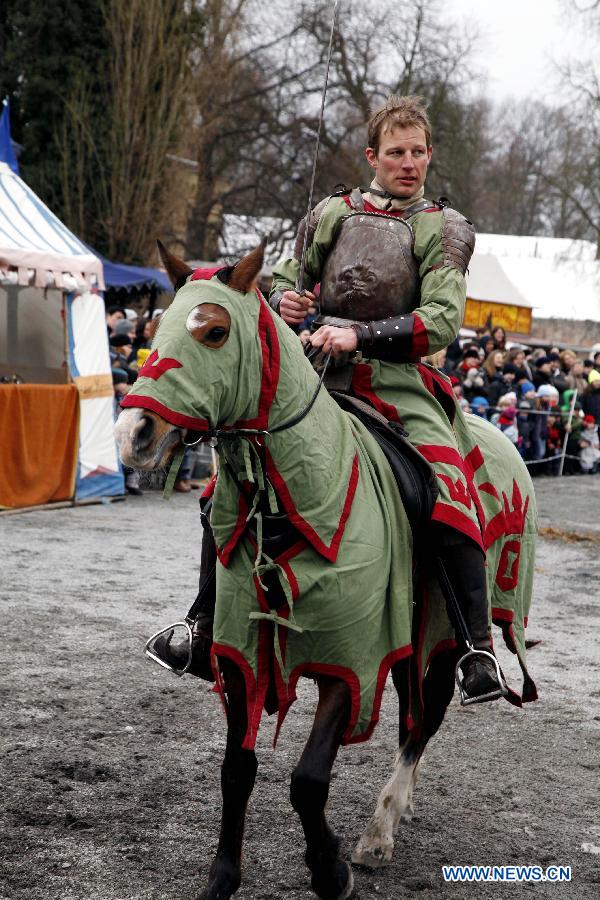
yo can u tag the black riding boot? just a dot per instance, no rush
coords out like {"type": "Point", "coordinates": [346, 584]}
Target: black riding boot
{"type": "Point", "coordinates": [463, 563]}
{"type": "Point", "coordinates": [200, 617]}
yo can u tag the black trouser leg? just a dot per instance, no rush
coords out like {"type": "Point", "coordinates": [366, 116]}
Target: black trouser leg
{"type": "Point", "coordinates": [201, 616]}
{"type": "Point", "coordinates": [464, 563]}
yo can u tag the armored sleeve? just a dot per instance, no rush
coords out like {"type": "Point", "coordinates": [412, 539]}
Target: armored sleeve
{"type": "Point", "coordinates": [322, 227]}
{"type": "Point", "coordinates": [444, 242]}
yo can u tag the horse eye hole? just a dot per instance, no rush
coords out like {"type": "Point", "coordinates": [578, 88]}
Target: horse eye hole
{"type": "Point", "coordinates": [216, 334]}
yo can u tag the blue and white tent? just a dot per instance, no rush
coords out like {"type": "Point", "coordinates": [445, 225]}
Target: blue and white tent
{"type": "Point", "coordinates": [52, 324]}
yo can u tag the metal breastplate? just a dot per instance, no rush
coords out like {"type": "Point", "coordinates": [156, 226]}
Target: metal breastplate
{"type": "Point", "coordinates": [371, 271]}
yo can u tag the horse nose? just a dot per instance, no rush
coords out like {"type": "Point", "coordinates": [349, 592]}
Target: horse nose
{"type": "Point", "coordinates": [142, 434]}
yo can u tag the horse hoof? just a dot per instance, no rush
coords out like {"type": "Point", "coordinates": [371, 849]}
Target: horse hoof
{"type": "Point", "coordinates": [329, 888]}
{"type": "Point", "coordinates": [373, 853]}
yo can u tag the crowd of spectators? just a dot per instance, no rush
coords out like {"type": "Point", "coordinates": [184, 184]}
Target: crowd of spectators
{"type": "Point", "coordinates": [129, 340]}
{"type": "Point", "coordinates": [545, 402]}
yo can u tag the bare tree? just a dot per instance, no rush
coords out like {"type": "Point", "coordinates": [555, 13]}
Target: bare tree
{"type": "Point", "coordinates": [114, 172]}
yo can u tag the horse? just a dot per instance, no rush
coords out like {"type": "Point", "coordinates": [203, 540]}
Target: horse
{"type": "Point", "coordinates": [336, 603]}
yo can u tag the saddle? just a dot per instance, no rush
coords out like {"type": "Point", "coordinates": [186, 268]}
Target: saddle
{"type": "Point", "coordinates": [413, 475]}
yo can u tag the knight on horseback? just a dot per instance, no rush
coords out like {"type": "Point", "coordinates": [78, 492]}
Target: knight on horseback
{"type": "Point", "coordinates": [391, 267]}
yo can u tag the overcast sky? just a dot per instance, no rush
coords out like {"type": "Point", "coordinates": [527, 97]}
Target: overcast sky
{"type": "Point", "coordinates": [519, 40]}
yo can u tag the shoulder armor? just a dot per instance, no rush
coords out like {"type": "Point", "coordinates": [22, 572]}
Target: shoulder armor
{"type": "Point", "coordinates": [458, 239]}
{"type": "Point", "coordinates": [313, 221]}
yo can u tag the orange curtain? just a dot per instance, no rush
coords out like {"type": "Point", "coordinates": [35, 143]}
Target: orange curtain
{"type": "Point", "coordinates": [39, 425]}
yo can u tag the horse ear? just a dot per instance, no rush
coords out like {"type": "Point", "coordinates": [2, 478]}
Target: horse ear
{"type": "Point", "coordinates": [177, 269]}
{"type": "Point", "coordinates": [244, 274]}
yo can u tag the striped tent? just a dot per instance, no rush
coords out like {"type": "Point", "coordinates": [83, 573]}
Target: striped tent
{"type": "Point", "coordinates": [33, 238]}
{"type": "Point", "coordinates": [53, 334]}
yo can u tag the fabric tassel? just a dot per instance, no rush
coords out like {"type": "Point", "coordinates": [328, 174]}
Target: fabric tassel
{"type": "Point", "coordinates": [173, 470]}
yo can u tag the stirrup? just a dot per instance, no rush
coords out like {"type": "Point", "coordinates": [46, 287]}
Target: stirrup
{"type": "Point", "coordinates": [500, 691]}
{"type": "Point", "coordinates": [162, 662]}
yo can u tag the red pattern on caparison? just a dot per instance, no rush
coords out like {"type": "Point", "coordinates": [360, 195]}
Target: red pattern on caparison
{"type": "Point", "coordinates": [457, 489]}
{"type": "Point", "coordinates": [155, 367]}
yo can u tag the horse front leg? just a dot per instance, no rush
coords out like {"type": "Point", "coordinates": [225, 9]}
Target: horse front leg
{"type": "Point", "coordinates": [395, 802]}
{"type": "Point", "coordinates": [238, 773]}
{"type": "Point", "coordinates": [331, 875]}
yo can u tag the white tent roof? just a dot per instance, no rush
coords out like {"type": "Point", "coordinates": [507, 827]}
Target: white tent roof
{"type": "Point", "coordinates": [487, 280]}
{"type": "Point", "coordinates": [558, 277]}
{"type": "Point", "coordinates": [33, 238]}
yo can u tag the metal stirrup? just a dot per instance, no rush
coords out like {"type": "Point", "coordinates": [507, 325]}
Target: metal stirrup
{"type": "Point", "coordinates": [162, 662]}
{"type": "Point", "coordinates": [465, 699]}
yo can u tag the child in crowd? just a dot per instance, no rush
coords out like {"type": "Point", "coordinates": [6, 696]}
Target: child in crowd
{"type": "Point", "coordinates": [590, 446]}
{"type": "Point", "coordinates": [479, 407]}
{"type": "Point", "coordinates": [506, 424]}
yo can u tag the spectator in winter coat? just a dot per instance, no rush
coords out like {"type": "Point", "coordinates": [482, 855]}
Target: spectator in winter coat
{"type": "Point", "coordinates": [559, 379]}
{"type": "Point", "coordinates": [525, 427]}
{"type": "Point", "coordinates": [526, 388]}
{"type": "Point", "coordinates": [479, 407]}
{"type": "Point", "coordinates": [590, 446]}
{"type": "Point", "coordinates": [575, 377]}
{"type": "Point", "coordinates": [470, 360]}
{"type": "Point", "coordinates": [543, 371]}
{"type": "Point", "coordinates": [546, 398]}
{"type": "Point", "coordinates": [487, 345]}
{"type": "Point", "coordinates": [494, 385]}
{"type": "Point", "coordinates": [518, 358]}
{"type": "Point", "coordinates": [506, 423]}
{"type": "Point", "coordinates": [499, 336]}
{"type": "Point", "coordinates": [591, 397]}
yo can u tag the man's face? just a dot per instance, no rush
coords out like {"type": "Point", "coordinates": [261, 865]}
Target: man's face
{"type": "Point", "coordinates": [113, 318]}
{"type": "Point", "coordinates": [401, 162]}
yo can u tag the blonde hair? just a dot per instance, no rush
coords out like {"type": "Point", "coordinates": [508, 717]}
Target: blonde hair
{"type": "Point", "coordinates": [398, 112]}
{"type": "Point", "coordinates": [488, 365]}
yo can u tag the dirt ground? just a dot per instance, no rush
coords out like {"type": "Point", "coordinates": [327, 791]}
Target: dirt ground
{"type": "Point", "coordinates": [110, 765]}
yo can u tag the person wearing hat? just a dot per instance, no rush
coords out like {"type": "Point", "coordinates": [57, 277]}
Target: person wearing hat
{"type": "Point", "coordinates": [120, 354]}
{"type": "Point", "coordinates": [591, 396]}
{"type": "Point", "coordinates": [480, 406]}
{"type": "Point", "coordinates": [543, 371]}
{"type": "Point", "coordinates": [126, 327]}
{"type": "Point", "coordinates": [114, 314]}
{"type": "Point", "coordinates": [589, 454]}
{"type": "Point", "coordinates": [546, 399]}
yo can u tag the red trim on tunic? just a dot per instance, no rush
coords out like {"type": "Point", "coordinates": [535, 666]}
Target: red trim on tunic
{"type": "Point", "coordinates": [330, 551]}
{"type": "Point", "coordinates": [420, 339]}
{"type": "Point", "coordinates": [396, 213]}
{"type": "Point", "coordinates": [169, 415]}
{"type": "Point", "coordinates": [362, 387]}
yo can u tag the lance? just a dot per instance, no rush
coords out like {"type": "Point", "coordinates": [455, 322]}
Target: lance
{"type": "Point", "coordinates": [300, 279]}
